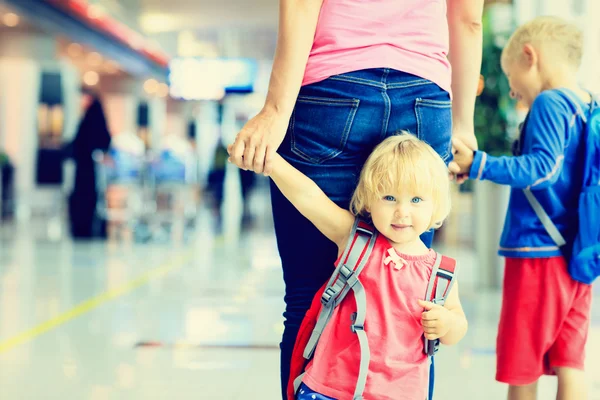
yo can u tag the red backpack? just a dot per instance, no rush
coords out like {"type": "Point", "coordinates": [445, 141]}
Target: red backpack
{"type": "Point", "coordinates": [346, 278]}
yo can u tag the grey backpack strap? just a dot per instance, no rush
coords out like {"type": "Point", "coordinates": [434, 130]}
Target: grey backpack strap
{"type": "Point", "coordinates": [440, 283]}
{"type": "Point", "coordinates": [343, 279]}
{"type": "Point", "coordinates": [432, 279]}
{"type": "Point", "coordinates": [573, 98]}
{"type": "Point", "coordinates": [358, 327]}
{"type": "Point", "coordinates": [543, 216]}
{"type": "Point", "coordinates": [298, 381]}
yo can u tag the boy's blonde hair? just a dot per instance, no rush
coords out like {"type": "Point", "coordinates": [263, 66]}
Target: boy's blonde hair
{"type": "Point", "coordinates": [402, 163]}
{"type": "Point", "coordinates": [551, 35]}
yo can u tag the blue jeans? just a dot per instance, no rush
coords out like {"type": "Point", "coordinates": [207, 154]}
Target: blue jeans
{"type": "Point", "coordinates": [335, 125]}
{"type": "Point", "coordinates": [306, 393]}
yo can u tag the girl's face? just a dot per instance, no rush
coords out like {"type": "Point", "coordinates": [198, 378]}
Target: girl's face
{"type": "Point", "coordinates": [402, 216]}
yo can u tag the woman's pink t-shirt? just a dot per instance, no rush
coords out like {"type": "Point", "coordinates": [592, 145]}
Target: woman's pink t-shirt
{"type": "Point", "coordinates": [398, 369]}
{"type": "Point", "coordinates": [406, 35]}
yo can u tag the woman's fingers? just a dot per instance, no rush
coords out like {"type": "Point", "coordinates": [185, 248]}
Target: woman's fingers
{"type": "Point", "coordinates": [269, 157]}
{"type": "Point", "coordinates": [237, 151]}
{"type": "Point", "coordinates": [255, 145]}
{"type": "Point", "coordinates": [459, 146]}
{"type": "Point", "coordinates": [249, 151]}
{"type": "Point", "coordinates": [259, 159]}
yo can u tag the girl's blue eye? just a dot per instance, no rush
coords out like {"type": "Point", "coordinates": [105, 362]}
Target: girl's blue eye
{"type": "Point", "coordinates": [389, 198]}
{"type": "Point", "coordinates": [416, 200]}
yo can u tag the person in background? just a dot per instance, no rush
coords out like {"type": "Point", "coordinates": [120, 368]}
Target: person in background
{"type": "Point", "coordinates": [92, 134]}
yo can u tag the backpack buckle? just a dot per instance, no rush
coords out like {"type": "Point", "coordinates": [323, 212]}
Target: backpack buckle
{"type": "Point", "coordinates": [346, 272]}
{"type": "Point", "coordinates": [439, 302]}
{"type": "Point", "coordinates": [328, 295]}
{"type": "Point", "coordinates": [355, 327]}
{"type": "Point", "coordinates": [445, 274]}
{"type": "Point", "coordinates": [432, 347]}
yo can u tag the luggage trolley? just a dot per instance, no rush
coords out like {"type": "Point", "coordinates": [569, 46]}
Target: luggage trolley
{"type": "Point", "coordinates": [174, 181]}
{"type": "Point", "coordinates": [122, 194]}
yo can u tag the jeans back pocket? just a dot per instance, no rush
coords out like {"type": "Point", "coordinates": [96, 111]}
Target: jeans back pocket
{"type": "Point", "coordinates": [319, 127]}
{"type": "Point", "coordinates": [434, 125]}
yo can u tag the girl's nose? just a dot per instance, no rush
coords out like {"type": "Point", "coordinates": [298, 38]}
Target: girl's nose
{"type": "Point", "coordinates": [401, 211]}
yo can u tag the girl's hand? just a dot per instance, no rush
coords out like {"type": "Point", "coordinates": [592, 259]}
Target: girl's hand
{"type": "Point", "coordinates": [436, 320]}
{"type": "Point", "coordinates": [256, 144]}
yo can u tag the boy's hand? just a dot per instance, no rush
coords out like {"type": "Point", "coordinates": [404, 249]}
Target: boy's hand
{"type": "Point", "coordinates": [436, 320]}
{"type": "Point", "coordinates": [463, 157]}
{"type": "Point", "coordinates": [466, 134]}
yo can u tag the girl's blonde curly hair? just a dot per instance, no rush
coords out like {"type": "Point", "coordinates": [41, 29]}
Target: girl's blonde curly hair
{"type": "Point", "coordinates": [400, 163]}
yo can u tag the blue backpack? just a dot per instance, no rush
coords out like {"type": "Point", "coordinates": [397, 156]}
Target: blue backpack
{"type": "Point", "coordinates": [584, 262]}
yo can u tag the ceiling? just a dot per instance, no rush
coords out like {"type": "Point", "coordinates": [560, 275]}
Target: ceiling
{"type": "Point", "coordinates": [235, 28]}
{"type": "Point", "coordinates": [177, 15]}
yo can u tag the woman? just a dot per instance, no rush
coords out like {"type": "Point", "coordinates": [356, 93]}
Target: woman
{"type": "Point", "coordinates": [346, 75]}
{"type": "Point", "coordinates": [92, 135]}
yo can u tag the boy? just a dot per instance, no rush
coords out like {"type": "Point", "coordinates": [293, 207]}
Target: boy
{"type": "Point", "coordinates": [545, 313]}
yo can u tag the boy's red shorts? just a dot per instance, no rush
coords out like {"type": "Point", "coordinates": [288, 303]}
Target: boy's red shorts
{"type": "Point", "coordinates": [544, 321]}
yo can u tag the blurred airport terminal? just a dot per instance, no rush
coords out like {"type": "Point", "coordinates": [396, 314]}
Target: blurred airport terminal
{"type": "Point", "coordinates": [167, 284]}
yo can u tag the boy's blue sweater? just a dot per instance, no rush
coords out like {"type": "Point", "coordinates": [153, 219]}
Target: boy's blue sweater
{"type": "Point", "coordinates": [549, 166]}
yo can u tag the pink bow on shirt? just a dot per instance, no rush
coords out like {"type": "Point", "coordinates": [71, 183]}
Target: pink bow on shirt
{"type": "Point", "coordinates": [394, 259]}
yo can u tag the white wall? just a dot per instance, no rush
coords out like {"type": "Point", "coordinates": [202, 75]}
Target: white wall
{"type": "Point", "coordinates": [20, 83]}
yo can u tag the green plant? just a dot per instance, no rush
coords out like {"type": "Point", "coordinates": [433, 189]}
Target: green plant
{"type": "Point", "coordinates": [4, 160]}
{"type": "Point", "coordinates": [493, 105]}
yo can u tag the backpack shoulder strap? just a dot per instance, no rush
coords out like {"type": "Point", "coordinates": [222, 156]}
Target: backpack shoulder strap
{"type": "Point", "coordinates": [354, 258]}
{"type": "Point", "coordinates": [542, 215]}
{"type": "Point", "coordinates": [440, 283]}
{"type": "Point", "coordinates": [441, 280]}
{"type": "Point", "coordinates": [544, 218]}
{"type": "Point", "coordinates": [358, 249]}
{"type": "Point", "coordinates": [576, 102]}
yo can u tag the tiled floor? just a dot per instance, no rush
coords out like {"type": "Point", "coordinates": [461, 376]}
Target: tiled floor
{"type": "Point", "coordinates": [196, 321]}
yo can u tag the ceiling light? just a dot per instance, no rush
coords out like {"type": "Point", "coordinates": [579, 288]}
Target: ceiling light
{"type": "Point", "coordinates": [75, 50]}
{"type": "Point", "coordinates": [159, 22]}
{"type": "Point", "coordinates": [163, 90]}
{"type": "Point", "coordinates": [95, 11]}
{"type": "Point", "coordinates": [111, 67]}
{"type": "Point", "coordinates": [10, 19]}
{"type": "Point", "coordinates": [95, 59]}
{"type": "Point", "coordinates": [91, 78]}
{"type": "Point", "coordinates": [151, 86]}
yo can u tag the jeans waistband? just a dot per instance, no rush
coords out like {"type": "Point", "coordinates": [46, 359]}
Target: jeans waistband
{"type": "Point", "coordinates": [386, 78]}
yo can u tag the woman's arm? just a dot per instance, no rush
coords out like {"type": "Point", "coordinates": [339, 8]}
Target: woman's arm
{"type": "Point", "coordinates": [256, 144]}
{"type": "Point", "coordinates": [297, 26]}
{"type": "Point", "coordinates": [466, 40]}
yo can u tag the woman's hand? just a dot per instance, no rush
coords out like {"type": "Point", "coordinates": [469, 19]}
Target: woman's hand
{"type": "Point", "coordinates": [463, 158]}
{"type": "Point", "coordinates": [256, 144]}
{"type": "Point", "coordinates": [467, 138]}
